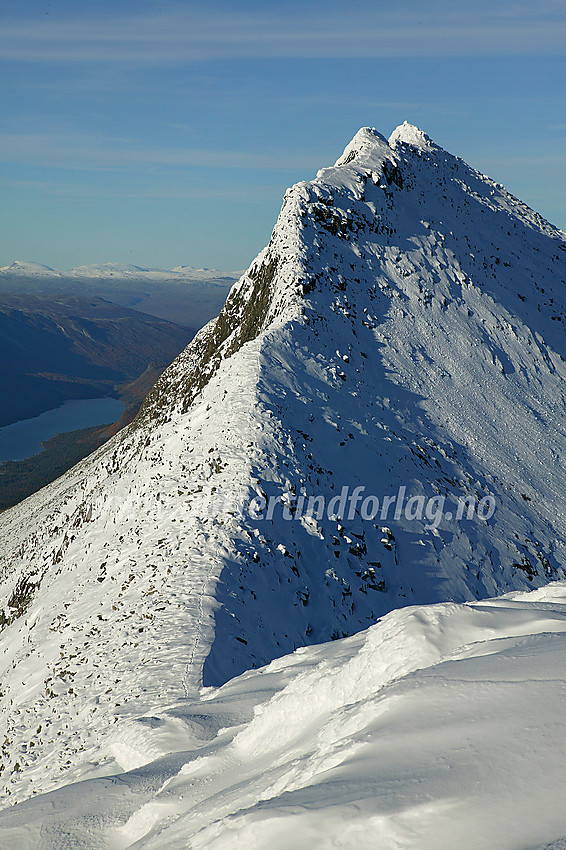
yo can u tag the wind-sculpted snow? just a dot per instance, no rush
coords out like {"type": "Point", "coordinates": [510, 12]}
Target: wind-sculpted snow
{"type": "Point", "coordinates": [439, 727]}
{"type": "Point", "coordinates": [401, 335]}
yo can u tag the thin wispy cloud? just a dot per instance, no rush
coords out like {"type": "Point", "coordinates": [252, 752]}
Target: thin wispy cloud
{"type": "Point", "coordinates": [84, 152]}
{"type": "Point", "coordinates": [161, 191]}
{"type": "Point", "coordinates": [180, 35]}
{"type": "Point", "coordinates": [80, 151]}
{"type": "Point", "coordinates": [199, 111]}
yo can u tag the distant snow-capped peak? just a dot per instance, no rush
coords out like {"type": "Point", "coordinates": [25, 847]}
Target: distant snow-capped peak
{"type": "Point", "coordinates": [23, 267]}
{"type": "Point", "coordinates": [116, 270]}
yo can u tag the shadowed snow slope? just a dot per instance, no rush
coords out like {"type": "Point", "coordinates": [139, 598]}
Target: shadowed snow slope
{"type": "Point", "coordinates": [430, 730]}
{"type": "Point", "coordinates": [403, 328]}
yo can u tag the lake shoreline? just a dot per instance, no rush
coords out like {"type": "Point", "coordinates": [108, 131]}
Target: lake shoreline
{"type": "Point", "coordinates": [24, 439]}
{"type": "Point", "coordinates": [21, 478]}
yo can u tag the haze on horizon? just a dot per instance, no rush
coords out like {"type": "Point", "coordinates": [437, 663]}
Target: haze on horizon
{"type": "Point", "coordinates": [166, 134]}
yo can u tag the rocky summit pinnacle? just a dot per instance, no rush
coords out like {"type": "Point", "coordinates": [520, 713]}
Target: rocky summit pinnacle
{"type": "Point", "coordinates": [409, 134]}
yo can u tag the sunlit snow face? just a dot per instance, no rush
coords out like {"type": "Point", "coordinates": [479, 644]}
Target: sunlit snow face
{"type": "Point", "coordinates": [352, 503]}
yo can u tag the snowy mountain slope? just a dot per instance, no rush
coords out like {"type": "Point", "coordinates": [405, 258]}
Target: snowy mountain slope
{"type": "Point", "coordinates": [402, 329]}
{"type": "Point", "coordinates": [439, 727]}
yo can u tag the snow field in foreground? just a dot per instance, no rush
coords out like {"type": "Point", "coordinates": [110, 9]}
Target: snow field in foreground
{"type": "Point", "coordinates": [441, 726]}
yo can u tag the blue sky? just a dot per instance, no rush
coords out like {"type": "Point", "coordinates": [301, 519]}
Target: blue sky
{"type": "Point", "coordinates": [166, 133]}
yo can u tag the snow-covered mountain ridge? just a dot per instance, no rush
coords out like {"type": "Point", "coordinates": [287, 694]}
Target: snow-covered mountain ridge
{"type": "Point", "coordinates": [403, 328]}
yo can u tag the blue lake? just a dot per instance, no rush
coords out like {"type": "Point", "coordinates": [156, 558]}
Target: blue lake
{"type": "Point", "coordinates": [23, 439]}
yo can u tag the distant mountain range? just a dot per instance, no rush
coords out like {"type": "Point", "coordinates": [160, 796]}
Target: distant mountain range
{"type": "Point", "coordinates": [93, 331]}
{"type": "Point", "coordinates": [59, 348]}
{"type": "Point", "coordinates": [64, 347]}
{"type": "Point", "coordinates": [375, 420]}
{"type": "Point", "coordinates": [183, 295]}
{"type": "Point", "coordinates": [123, 271]}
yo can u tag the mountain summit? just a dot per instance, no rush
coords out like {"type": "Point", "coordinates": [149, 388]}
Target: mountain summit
{"type": "Point", "coordinates": [374, 420]}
